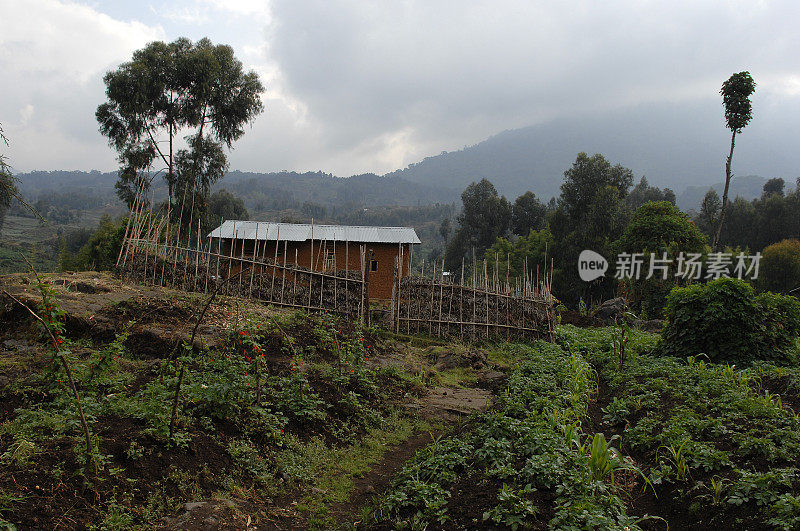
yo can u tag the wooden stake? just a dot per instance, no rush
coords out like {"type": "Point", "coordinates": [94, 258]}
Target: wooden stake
{"type": "Point", "coordinates": [208, 265]}
{"type": "Point", "coordinates": [461, 295]}
{"type": "Point", "coordinates": [253, 265]}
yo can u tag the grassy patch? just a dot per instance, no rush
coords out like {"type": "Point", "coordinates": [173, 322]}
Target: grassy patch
{"type": "Point", "coordinates": [333, 470]}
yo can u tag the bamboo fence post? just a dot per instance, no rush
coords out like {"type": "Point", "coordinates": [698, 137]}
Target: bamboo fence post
{"type": "Point", "coordinates": [399, 281]}
{"type": "Point", "coordinates": [132, 219]}
{"type": "Point", "coordinates": [486, 291]}
{"type": "Point", "coordinates": [362, 252]}
{"type": "Point", "coordinates": [178, 235]}
{"type": "Point", "coordinates": [474, 295]}
{"type": "Point", "coordinates": [295, 283]}
{"type": "Point", "coordinates": [392, 313]}
{"type": "Point", "coordinates": [285, 265]}
{"type": "Point", "coordinates": [347, 276]}
{"type": "Point", "coordinates": [156, 235]}
{"type": "Point", "coordinates": [366, 286]}
{"type": "Point", "coordinates": [241, 261]}
{"type": "Point", "coordinates": [508, 292]}
{"type": "Point", "coordinates": [261, 257]}
{"type": "Point", "coordinates": [461, 306]}
{"type": "Point", "coordinates": [219, 256]}
{"type": "Point", "coordinates": [522, 297]}
{"type": "Point", "coordinates": [408, 303]}
{"type": "Point", "coordinates": [275, 264]}
{"type": "Point", "coordinates": [433, 294]}
{"type": "Point", "coordinates": [147, 245]}
{"type": "Point", "coordinates": [441, 296]}
{"type": "Point", "coordinates": [167, 235]}
{"type": "Point", "coordinates": [311, 262]}
{"type": "Point", "coordinates": [419, 303]}
{"type": "Point", "coordinates": [231, 250]}
{"type": "Point", "coordinates": [208, 265]}
{"type": "Point", "coordinates": [163, 226]}
{"type": "Point", "coordinates": [253, 265]}
{"type": "Point", "coordinates": [335, 278]}
{"type": "Point", "coordinates": [450, 306]}
{"type": "Point", "coordinates": [323, 250]}
{"type": "Point", "coordinates": [197, 255]}
{"type": "Point", "coordinates": [125, 236]}
{"type": "Point", "coordinates": [137, 227]}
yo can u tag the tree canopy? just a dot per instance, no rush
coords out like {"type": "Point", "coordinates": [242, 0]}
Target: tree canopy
{"type": "Point", "coordinates": [780, 267]}
{"type": "Point", "coordinates": [485, 216]}
{"type": "Point", "coordinates": [169, 89]}
{"type": "Point", "coordinates": [736, 92]}
{"type": "Point", "coordinates": [527, 213]}
{"type": "Point", "coordinates": [591, 214]}
{"type": "Point", "coordinates": [223, 205]}
{"type": "Point", "coordinates": [658, 227]}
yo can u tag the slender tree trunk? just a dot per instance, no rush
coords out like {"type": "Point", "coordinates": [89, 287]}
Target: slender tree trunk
{"type": "Point", "coordinates": [728, 177]}
{"type": "Point", "coordinates": [171, 177]}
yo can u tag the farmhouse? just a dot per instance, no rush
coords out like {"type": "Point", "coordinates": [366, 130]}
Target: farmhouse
{"type": "Point", "coordinates": [320, 248]}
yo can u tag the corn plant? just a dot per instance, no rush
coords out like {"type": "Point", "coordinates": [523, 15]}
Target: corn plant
{"type": "Point", "coordinates": [677, 459]}
{"type": "Point", "coordinates": [620, 339]}
{"type": "Point", "coordinates": [602, 459]}
{"type": "Point", "coordinates": [717, 488]}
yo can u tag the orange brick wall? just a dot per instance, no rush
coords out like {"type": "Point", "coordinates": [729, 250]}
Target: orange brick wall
{"type": "Point", "coordinates": [347, 256]}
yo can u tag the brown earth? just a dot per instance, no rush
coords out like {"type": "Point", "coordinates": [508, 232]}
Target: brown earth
{"type": "Point", "coordinates": [98, 306]}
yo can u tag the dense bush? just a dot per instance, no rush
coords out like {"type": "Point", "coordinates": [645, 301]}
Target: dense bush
{"type": "Point", "coordinates": [728, 322]}
{"type": "Point", "coordinates": [100, 252]}
{"type": "Point", "coordinates": [780, 266]}
{"type": "Point", "coordinates": [656, 227]}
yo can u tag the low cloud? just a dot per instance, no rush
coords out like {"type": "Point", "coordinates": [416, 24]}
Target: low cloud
{"type": "Point", "coordinates": [53, 56]}
{"type": "Point", "coordinates": [356, 86]}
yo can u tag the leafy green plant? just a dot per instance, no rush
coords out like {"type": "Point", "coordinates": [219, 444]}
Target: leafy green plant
{"type": "Point", "coordinates": [727, 321]}
{"type": "Point", "coordinates": [582, 308]}
{"type": "Point", "coordinates": [417, 503]}
{"type": "Point", "coordinates": [512, 509]}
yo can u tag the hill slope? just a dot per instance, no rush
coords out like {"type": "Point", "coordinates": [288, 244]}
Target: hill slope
{"type": "Point", "coordinates": [674, 146]}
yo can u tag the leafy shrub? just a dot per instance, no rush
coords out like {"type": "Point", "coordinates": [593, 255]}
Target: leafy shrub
{"type": "Point", "coordinates": [780, 266]}
{"type": "Point", "coordinates": [101, 251]}
{"type": "Point", "coordinates": [727, 321]}
{"type": "Point", "coordinates": [656, 227]}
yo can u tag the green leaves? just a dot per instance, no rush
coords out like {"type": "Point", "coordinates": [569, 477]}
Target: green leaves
{"type": "Point", "coordinates": [736, 93]}
{"type": "Point", "coordinates": [725, 320]}
{"type": "Point", "coordinates": [167, 88]}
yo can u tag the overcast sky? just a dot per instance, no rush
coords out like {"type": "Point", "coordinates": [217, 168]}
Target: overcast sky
{"type": "Point", "coordinates": [362, 86]}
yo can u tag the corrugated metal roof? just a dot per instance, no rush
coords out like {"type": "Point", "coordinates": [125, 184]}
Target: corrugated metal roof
{"type": "Point", "coordinates": [298, 232]}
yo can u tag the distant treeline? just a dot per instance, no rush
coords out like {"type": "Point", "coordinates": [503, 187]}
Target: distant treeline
{"type": "Point", "coordinates": [261, 191]}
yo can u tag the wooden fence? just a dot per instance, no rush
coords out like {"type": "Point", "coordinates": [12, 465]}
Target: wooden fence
{"type": "Point", "coordinates": [283, 284]}
{"type": "Point", "coordinates": [158, 253]}
{"type": "Point", "coordinates": [480, 306]}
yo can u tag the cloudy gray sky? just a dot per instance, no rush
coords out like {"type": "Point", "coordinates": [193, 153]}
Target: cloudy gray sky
{"type": "Point", "coordinates": [360, 86]}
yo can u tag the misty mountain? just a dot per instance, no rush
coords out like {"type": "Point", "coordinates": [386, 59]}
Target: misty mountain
{"type": "Point", "coordinates": [673, 145]}
{"type": "Point", "coordinates": [679, 146]}
{"type": "Point", "coordinates": [260, 191]}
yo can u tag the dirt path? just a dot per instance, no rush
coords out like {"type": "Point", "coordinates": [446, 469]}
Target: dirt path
{"type": "Point", "coordinates": [441, 403]}
{"type": "Point", "coordinates": [377, 480]}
